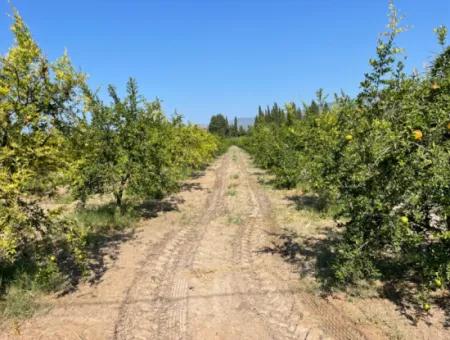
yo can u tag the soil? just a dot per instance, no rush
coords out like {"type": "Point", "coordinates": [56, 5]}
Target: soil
{"type": "Point", "coordinates": [210, 269]}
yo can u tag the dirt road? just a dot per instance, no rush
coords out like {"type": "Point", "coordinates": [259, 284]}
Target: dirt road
{"type": "Point", "coordinates": [198, 272]}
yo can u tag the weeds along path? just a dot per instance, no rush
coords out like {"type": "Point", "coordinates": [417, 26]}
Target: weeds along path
{"type": "Point", "coordinates": [198, 273]}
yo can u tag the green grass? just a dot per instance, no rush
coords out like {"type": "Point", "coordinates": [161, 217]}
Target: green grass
{"type": "Point", "coordinates": [232, 189]}
{"type": "Point", "coordinates": [102, 223]}
{"type": "Point", "coordinates": [106, 218]}
{"type": "Point", "coordinates": [235, 220]}
{"type": "Point", "coordinates": [18, 303]}
{"type": "Point", "coordinates": [22, 284]}
{"type": "Point", "coordinates": [63, 199]}
{"type": "Point", "coordinates": [21, 297]}
{"type": "Point", "coordinates": [231, 192]}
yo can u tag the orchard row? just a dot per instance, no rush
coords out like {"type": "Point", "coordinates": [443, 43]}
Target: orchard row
{"type": "Point", "coordinates": [57, 134]}
{"type": "Point", "coordinates": [381, 160]}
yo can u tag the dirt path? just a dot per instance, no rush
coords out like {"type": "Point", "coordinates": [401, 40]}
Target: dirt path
{"type": "Point", "coordinates": [199, 273]}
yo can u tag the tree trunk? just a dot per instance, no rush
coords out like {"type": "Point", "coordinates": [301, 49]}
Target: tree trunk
{"type": "Point", "coordinates": [118, 195]}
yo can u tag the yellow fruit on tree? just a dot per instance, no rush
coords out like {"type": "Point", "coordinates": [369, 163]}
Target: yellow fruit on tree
{"type": "Point", "coordinates": [438, 283]}
{"type": "Point", "coordinates": [418, 135]}
{"type": "Point", "coordinates": [3, 90]}
{"type": "Point", "coordinates": [348, 137]}
{"type": "Point", "coordinates": [426, 307]}
{"type": "Point", "coordinates": [404, 219]}
{"type": "Point", "coordinates": [435, 86]}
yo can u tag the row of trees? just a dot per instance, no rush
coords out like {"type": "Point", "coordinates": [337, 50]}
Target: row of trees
{"type": "Point", "coordinates": [220, 126]}
{"type": "Point", "coordinates": [280, 116]}
{"type": "Point", "coordinates": [55, 132]}
{"type": "Point", "coordinates": [382, 160]}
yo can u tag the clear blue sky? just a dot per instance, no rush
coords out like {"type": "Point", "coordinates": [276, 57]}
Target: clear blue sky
{"type": "Point", "coordinates": [202, 57]}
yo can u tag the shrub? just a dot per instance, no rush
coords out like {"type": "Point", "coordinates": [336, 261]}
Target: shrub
{"type": "Point", "coordinates": [37, 102]}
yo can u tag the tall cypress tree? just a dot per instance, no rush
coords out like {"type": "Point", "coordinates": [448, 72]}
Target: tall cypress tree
{"type": "Point", "coordinates": [235, 127]}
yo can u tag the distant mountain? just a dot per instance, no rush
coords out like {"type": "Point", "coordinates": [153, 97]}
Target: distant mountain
{"type": "Point", "coordinates": [245, 122]}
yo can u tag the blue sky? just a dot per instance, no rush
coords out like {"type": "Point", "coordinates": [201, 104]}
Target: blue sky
{"type": "Point", "coordinates": [204, 57]}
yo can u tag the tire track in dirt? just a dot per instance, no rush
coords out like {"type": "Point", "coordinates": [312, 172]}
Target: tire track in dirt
{"type": "Point", "coordinates": [155, 306]}
{"type": "Point", "coordinates": [217, 306]}
{"type": "Point", "coordinates": [286, 313]}
{"type": "Point", "coordinates": [276, 307]}
{"type": "Point", "coordinates": [172, 323]}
